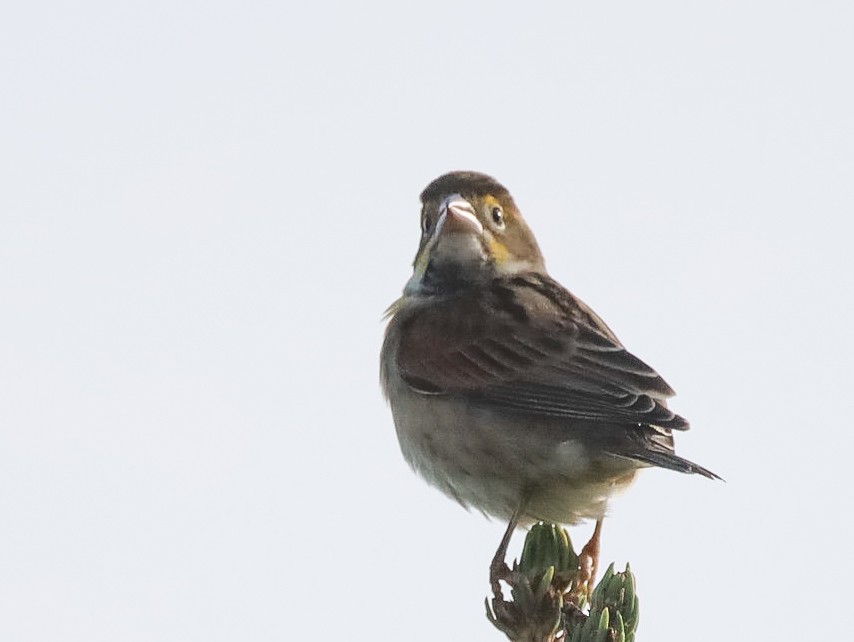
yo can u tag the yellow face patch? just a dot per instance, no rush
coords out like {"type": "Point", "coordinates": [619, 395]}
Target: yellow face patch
{"type": "Point", "coordinates": [498, 250]}
{"type": "Point", "coordinates": [422, 260]}
{"type": "Point", "coordinates": [497, 247]}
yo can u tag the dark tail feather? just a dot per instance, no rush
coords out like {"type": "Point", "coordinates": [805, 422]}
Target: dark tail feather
{"type": "Point", "coordinates": [653, 445]}
{"type": "Point", "coordinates": [671, 461]}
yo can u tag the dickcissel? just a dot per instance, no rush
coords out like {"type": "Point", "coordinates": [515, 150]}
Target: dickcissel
{"type": "Point", "coordinates": [509, 394]}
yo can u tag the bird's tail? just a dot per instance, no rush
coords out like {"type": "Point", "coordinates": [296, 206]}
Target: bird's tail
{"type": "Point", "coordinates": [654, 447]}
{"type": "Point", "coordinates": [671, 461]}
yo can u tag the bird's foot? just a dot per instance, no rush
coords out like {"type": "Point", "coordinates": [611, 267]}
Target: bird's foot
{"type": "Point", "coordinates": [498, 571]}
{"type": "Point", "coordinates": [588, 565]}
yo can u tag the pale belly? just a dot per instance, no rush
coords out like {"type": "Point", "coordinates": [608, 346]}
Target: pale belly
{"type": "Point", "coordinates": [495, 461]}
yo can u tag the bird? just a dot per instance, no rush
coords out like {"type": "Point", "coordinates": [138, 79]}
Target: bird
{"type": "Point", "coordinates": [508, 393]}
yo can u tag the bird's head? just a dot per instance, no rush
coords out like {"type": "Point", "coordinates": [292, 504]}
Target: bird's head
{"type": "Point", "coordinates": [471, 232]}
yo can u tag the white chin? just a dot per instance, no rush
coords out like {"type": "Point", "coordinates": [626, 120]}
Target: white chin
{"type": "Point", "coordinates": [465, 249]}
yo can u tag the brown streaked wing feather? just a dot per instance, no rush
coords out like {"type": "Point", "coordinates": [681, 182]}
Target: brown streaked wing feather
{"type": "Point", "coordinates": [456, 346]}
{"type": "Point", "coordinates": [529, 346]}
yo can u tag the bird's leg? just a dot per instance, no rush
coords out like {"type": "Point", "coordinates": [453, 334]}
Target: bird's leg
{"type": "Point", "coordinates": [588, 563]}
{"type": "Point", "coordinates": [498, 569]}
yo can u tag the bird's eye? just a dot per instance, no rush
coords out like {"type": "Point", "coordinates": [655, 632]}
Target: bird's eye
{"type": "Point", "coordinates": [498, 217]}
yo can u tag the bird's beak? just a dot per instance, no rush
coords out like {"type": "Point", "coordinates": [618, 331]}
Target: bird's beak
{"type": "Point", "coordinates": [457, 216]}
{"type": "Point", "coordinates": [455, 231]}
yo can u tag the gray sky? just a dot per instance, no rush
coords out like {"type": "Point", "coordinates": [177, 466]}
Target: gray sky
{"type": "Point", "coordinates": [205, 209]}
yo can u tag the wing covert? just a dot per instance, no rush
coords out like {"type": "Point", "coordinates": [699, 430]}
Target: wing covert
{"type": "Point", "coordinates": [528, 345]}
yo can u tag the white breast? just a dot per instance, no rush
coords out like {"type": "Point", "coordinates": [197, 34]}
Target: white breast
{"type": "Point", "coordinates": [490, 460]}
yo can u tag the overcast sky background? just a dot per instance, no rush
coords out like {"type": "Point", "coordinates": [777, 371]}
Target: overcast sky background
{"type": "Point", "coordinates": [206, 207]}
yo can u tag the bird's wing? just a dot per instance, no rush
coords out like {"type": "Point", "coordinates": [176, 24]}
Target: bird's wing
{"type": "Point", "coordinates": [528, 345]}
